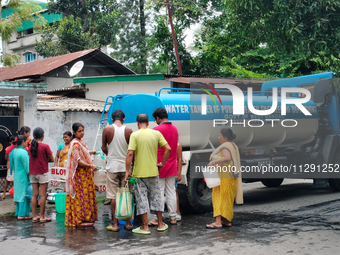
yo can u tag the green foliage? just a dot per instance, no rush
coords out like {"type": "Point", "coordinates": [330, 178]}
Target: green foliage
{"type": "Point", "coordinates": [130, 46]}
{"type": "Point", "coordinates": [86, 24]}
{"type": "Point", "coordinates": [8, 59]}
{"type": "Point", "coordinates": [297, 37]}
{"type": "Point", "coordinates": [48, 47]}
{"type": "Point", "coordinates": [23, 11]}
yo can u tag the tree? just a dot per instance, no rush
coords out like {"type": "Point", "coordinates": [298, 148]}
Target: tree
{"type": "Point", "coordinates": [86, 24]}
{"type": "Point", "coordinates": [270, 39]}
{"type": "Point", "coordinates": [130, 48]}
{"type": "Point", "coordinates": [184, 14]}
{"type": "Point", "coordinates": [306, 30]}
{"type": "Point", "coordinates": [23, 11]}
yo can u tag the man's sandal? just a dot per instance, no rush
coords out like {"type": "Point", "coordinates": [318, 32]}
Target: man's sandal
{"type": "Point", "coordinates": [111, 228]}
{"type": "Point", "coordinates": [163, 228]}
{"type": "Point", "coordinates": [140, 231]}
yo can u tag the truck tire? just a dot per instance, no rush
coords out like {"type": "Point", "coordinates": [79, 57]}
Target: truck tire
{"type": "Point", "coordinates": [334, 184]}
{"type": "Point", "coordinates": [197, 194]}
{"type": "Point", "coordinates": [272, 183]}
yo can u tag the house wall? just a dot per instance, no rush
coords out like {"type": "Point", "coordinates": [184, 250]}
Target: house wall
{"type": "Point", "coordinates": [27, 105]}
{"type": "Point", "coordinates": [101, 90]}
{"type": "Point", "coordinates": [55, 123]}
{"type": "Point", "coordinates": [22, 45]}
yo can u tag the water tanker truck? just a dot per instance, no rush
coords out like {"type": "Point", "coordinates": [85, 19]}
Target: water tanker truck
{"type": "Point", "coordinates": [289, 129]}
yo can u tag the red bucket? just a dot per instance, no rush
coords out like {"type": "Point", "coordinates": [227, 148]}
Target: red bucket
{"type": "Point", "coordinates": [11, 191]}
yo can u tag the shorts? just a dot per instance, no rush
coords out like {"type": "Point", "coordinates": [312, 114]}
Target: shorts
{"type": "Point", "coordinates": [40, 178]}
{"type": "Point", "coordinates": [9, 177]}
{"type": "Point", "coordinates": [148, 193]}
{"type": "Point", "coordinates": [113, 182]}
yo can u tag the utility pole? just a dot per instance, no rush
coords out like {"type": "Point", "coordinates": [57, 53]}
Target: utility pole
{"type": "Point", "coordinates": [174, 39]}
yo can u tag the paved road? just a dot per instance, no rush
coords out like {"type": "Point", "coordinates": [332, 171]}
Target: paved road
{"type": "Point", "coordinates": [291, 219]}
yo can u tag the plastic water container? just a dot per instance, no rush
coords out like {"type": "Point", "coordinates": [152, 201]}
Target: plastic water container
{"type": "Point", "coordinates": [123, 222]}
{"type": "Point", "coordinates": [212, 178]}
{"type": "Point", "coordinates": [99, 160]}
{"type": "Point", "coordinates": [29, 192]}
{"type": "Point", "coordinates": [60, 202]}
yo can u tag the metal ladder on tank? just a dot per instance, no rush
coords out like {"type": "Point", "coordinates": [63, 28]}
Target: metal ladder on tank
{"type": "Point", "coordinates": [104, 119]}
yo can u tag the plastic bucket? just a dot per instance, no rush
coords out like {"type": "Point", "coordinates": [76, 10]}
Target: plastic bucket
{"type": "Point", "coordinates": [11, 191]}
{"type": "Point", "coordinates": [60, 202]}
{"type": "Point", "coordinates": [123, 222]}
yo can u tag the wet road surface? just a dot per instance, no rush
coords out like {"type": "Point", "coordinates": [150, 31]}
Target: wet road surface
{"type": "Point", "coordinates": [291, 219]}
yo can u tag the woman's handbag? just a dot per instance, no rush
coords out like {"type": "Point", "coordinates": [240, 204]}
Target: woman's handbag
{"type": "Point", "coordinates": [124, 204]}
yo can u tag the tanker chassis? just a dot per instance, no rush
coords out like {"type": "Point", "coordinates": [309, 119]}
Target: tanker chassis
{"type": "Point", "coordinates": [304, 146]}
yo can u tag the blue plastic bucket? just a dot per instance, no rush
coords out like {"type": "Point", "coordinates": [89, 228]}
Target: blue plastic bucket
{"type": "Point", "coordinates": [123, 222]}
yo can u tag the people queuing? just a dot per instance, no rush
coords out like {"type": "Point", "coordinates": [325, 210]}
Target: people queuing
{"type": "Point", "coordinates": [19, 162]}
{"type": "Point", "coordinates": [168, 172]}
{"type": "Point", "coordinates": [81, 203]}
{"type": "Point", "coordinates": [9, 176]}
{"type": "Point", "coordinates": [40, 154]}
{"type": "Point", "coordinates": [115, 140]}
{"type": "Point", "coordinates": [26, 131]}
{"type": "Point", "coordinates": [143, 148]}
{"type": "Point", "coordinates": [62, 150]}
{"type": "Point", "coordinates": [152, 156]}
{"type": "Point", "coordinates": [224, 195]}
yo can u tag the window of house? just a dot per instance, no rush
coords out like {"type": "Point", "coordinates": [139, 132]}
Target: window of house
{"type": "Point", "coordinates": [29, 57]}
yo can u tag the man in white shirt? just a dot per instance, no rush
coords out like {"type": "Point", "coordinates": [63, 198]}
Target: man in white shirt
{"type": "Point", "coordinates": [115, 142]}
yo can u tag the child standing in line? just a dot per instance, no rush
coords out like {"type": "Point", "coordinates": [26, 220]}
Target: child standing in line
{"type": "Point", "coordinates": [40, 154]}
{"type": "Point", "coordinates": [9, 176]}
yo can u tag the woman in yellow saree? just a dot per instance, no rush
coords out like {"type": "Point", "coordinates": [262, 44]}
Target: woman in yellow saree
{"type": "Point", "coordinates": [81, 203]}
{"type": "Point", "coordinates": [62, 151]}
{"type": "Point", "coordinates": [226, 156]}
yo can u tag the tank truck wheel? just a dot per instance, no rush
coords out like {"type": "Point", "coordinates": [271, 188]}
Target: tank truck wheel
{"type": "Point", "coordinates": [334, 184]}
{"type": "Point", "coordinates": [272, 183]}
{"type": "Point", "coordinates": [199, 195]}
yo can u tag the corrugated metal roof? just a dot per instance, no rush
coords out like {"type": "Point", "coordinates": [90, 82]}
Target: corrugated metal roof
{"type": "Point", "coordinates": [43, 66]}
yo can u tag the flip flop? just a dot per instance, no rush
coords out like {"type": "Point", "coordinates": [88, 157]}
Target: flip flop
{"type": "Point", "coordinates": [163, 228]}
{"type": "Point", "coordinates": [36, 220]}
{"type": "Point", "coordinates": [46, 220]}
{"type": "Point", "coordinates": [140, 231]}
{"type": "Point", "coordinates": [2, 198]}
{"type": "Point", "coordinates": [25, 218]}
{"type": "Point", "coordinates": [213, 226]}
{"type": "Point", "coordinates": [178, 217]}
{"type": "Point", "coordinates": [150, 223]}
{"type": "Point", "coordinates": [110, 228]}
{"type": "Point", "coordinates": [128, 227]}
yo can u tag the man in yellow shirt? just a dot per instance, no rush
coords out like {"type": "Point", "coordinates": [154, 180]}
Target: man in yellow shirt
{"type": "Point", "coordinates": [143, 148]}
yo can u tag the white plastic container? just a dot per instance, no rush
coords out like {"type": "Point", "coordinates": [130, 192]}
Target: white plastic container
{"type": "Point", "coordinates": [211, 178]}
